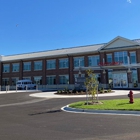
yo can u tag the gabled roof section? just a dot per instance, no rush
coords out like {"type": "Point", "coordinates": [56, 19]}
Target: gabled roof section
{"type": "Point", "coordinates": [119, 42]}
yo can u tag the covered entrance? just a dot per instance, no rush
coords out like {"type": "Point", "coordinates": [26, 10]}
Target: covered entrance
{"type": "Point", "coordinates": [120, 80]}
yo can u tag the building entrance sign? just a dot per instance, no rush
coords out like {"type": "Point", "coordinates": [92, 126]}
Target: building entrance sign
{"type": "Point", "coordinates": [110, 63]}
{"type": "Point", "coordinates": [120, 80]}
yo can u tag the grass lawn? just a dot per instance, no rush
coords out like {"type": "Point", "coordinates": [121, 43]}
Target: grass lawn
{"type": "Point", "coordinates": [116, 104]}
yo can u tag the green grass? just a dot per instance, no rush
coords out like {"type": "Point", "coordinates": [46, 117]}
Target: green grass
{"type": "Point", "coordinates": [119, 104]}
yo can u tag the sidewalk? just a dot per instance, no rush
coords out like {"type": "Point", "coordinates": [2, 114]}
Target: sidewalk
{"type": "Point", "coordinates": [52, 95]}
{"type": "Point", "coordinates": [18, 91]}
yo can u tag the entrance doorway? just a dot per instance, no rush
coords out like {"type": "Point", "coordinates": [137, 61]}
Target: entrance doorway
{"type": "Point", "coordinates": [120, 80]}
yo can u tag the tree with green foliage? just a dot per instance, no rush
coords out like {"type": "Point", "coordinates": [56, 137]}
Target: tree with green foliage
{"type": "Point", "coordinates": [91, 84]}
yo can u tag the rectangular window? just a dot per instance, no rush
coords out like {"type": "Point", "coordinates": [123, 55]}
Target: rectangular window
{"type": "Point", "coordinates": [27, 66]}
{"type": "Point", "coordinates": [63, 79]}
{"type": "Point", "coordinates": [26, 78]}
{"type": "Point", "coordinates": [133, 58]}
{"type": "Point", "coordinates": [15, 67]}
{"type": "Point", "coordinates": [51, 64]}
{"type": "Point", "coordinates": [38, 65]}
{"type": "Point", "coordinates": [14, 80]}
{"type": "Point", "coordinates": [79, 62]}
{"type": "Point", "coordinates": [121, 57]}
{"type": "Point", "coordinates": [109, 58]}
{"type": "Point", "coordinates": [5, 81]}
{"type": "Point", "coordinates": [38, 80]}
{"type": "Point", "coordinates": [77, 75]}
{"type": "Point", "coordinates": [6, 68]}
{"type": "Point", "coordinates": [93, 60]}
{"type": "Point", "coordinates": [51, 80]}
{"type": "Point", "coordinates": [63, 63]}
{"type": "Point", "coordinates": [134, 76]}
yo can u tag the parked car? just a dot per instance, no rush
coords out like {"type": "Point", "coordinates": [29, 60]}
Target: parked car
{"type": "Point", "coordinates": [23, 84]}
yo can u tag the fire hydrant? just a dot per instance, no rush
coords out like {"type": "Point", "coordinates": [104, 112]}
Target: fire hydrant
{"type": "Point", "coordinates": [130, 95]}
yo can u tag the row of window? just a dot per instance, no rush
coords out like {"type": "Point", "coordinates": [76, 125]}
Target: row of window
{"type": "Point", "coordinates": [51, 80]}
{"type": "Point", "coordinates": [78, 61]}
{"type": "Point", "coordinates": [64, 79]}
{"type": "Point", "coordinates": [122, 57]}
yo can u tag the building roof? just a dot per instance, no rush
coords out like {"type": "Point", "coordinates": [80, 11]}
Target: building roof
{"type": "Point", "coordinates": [64, 51]}
{"type": "Point", "coordinates": [51, 53]}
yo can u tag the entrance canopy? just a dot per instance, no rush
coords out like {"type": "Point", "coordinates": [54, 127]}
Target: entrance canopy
{"type": "Point", "coordinates": [109, 66]}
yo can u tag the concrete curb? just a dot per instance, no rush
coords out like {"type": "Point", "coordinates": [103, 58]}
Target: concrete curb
{"type": "Point", "coordinates": [103, 112]}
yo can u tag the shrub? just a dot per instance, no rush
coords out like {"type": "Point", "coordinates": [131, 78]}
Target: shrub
{"type": "Point", "coordinates": [74, 91]}
{"type": "Point", "coordinates": [70, 91]}
{"type": "Point", "coordinates": [109, 90]}
{"type": "Point", "coordinates": [58, 91]}
{"type": "Point", "coordinates": [77, 92]}
{"type": "Point", "coordinates": [102, 88]}
{"type": "Point", "coordinates": [101, 91]}
{"type": "Point", "coordinates": [135, 84]}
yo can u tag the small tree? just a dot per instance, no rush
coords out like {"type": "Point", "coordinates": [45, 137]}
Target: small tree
{"type": "Point", "coordinates": [91, 84]}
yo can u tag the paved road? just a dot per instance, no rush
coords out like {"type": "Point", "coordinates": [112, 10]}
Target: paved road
{"type": "Point", "coordinates": [42, 119]}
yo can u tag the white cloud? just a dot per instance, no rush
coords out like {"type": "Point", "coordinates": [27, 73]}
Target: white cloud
{"type": "Point", "coordinates": [129, 1]}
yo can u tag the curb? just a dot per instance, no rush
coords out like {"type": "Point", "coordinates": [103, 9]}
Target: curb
{"type": "Point", "coordinates": [105, 112]}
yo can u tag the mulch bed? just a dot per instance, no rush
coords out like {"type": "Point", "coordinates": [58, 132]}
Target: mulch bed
{"type": "Point", "coordinates": [79, 93]}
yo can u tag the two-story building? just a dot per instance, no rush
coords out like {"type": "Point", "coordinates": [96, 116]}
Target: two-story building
{"type": "Point", "coordinates": [115, 63]}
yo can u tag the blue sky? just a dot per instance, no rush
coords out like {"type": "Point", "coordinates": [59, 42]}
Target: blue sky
{"type": "Point", "coordinates": [38, 25]}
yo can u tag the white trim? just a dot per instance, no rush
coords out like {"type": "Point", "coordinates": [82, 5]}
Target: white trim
{"type": "Point", "coordinates": [116, 38]}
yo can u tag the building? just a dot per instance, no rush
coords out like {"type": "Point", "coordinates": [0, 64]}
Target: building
{"type": "Point", "coordinates": [116, 64]}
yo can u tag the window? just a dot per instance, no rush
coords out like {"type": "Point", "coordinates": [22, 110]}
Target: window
{"type": "Point", "coordinates": [6, 68]}
{"type": "Point", "coordinates": [51, 80]}
{"type": "Point", "coordinates": [14, 80]}
{"type": "Point", "coordinates": [15, 67]}
{"type": "Point", "coordinates": [26, 66]}
{"type": "Point", "coordinates": [134, 76]}
{"type": "Point", "coordinates": [77, 75]}
{"type": "Point", "coordinates": [110, 78]}
{"type": "Point", "coordinates": [38, 80]}
{"type": "Point", "coordinates": [5, 81]}
{"type": "Point", "coordinates": [79, 61]}
{"type": "Point", "coordinates": [109, 58]}
{"type": "Point", "coordinates": [98, 77]}
{"type": "Point", "coordinates": [26, 78]}
{"type": "Point", "coordinates": [63, 79]}
{"type": "Point", "coordinates": [51, 64]}
{"type": "Point", "coordinates": [63, 63]}
{"type": "Point", "coordinates": [38, 65]}
{"type": "Point", "coordinates": [93, 60]}
{"type": "Point", "coordinates": [121, 57]}
{"type": "Point", "coordinates": [133, 58]}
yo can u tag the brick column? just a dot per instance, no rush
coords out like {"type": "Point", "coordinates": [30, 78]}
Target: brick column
{"type": "Point", "coordinates": [20, 69]}
{"type": "Point", "coordinates": [44, 72]}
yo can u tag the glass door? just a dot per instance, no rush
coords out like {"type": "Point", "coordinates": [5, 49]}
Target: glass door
{"type": "Point", "coordinates": [120, 80]}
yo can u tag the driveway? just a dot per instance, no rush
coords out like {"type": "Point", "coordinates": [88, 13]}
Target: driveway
{"type": "Point", "coordinates": [44, 120]}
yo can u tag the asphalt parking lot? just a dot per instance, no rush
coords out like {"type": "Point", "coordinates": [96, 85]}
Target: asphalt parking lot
{"type": "Point", "coordinates": [29, 118]}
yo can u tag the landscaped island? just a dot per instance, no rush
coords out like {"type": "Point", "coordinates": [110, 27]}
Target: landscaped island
{"type": "Point", "coordinates": [115, 104]}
